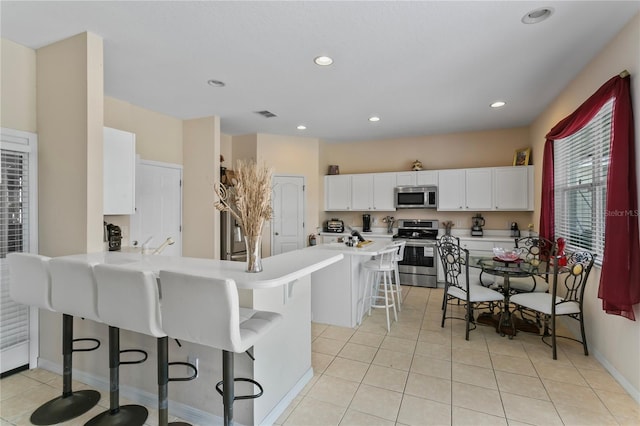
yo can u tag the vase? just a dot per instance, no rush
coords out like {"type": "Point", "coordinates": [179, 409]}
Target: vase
{"type": "Point", "coordinates": [447, 231]}
{"type": "Point", "coordinates": [254, 259]}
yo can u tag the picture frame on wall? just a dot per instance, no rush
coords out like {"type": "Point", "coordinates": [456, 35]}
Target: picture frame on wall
{"type": "Point", "coordinates": [521, 157]}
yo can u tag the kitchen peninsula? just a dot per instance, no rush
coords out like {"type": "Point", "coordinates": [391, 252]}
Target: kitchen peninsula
{"type": "Point", "coordinates": [335, 289]}
{"type": "Point", "coordinates": [282, 358]}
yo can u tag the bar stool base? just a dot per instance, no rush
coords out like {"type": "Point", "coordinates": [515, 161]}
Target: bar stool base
{"type": "Point", "coordinates": [127, 415]}
{"type": "Point", "coordinates": [61, 409]}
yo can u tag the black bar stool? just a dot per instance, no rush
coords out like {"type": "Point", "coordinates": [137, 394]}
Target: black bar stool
{"type": "Point", "coordinates": [30, 284]}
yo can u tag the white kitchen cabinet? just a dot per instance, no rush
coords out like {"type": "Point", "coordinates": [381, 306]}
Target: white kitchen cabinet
{"type": "Point", "coordinates": [427, 178]}
{"type": "Point", "coordinates": [451, 190]}
{"type": "Point", "coordinates": [406, 178]}
{"type": "Point", "coordinates": [420, 178]}
{"type": "Point", "coordinates": [119, 172]}
{"type": "Point", "coordinates": [383, 185]}
{"type": "Point", "coordinates": [473, 189]}
{"type": "Point", "coordinates": [512, 188]}
{"type": "Point", "coordinates": [479, 189]}
{"type": "Point", "coordinates": [360, 192]}
{"type": "Point", "coordinates": [337, 192]}
{"type": "Point", "coordinates": [486, 189]}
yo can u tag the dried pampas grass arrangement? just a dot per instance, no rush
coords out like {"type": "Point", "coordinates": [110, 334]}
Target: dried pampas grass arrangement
{"type": "Point", "coordinates": [249, 202]}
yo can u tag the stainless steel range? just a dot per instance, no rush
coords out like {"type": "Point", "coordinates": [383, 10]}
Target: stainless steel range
{"type": "Point", "coordinates": [419, 266]}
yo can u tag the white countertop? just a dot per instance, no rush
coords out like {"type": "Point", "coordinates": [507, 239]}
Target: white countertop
{"type": "Point", "coordinates": [371, 249]}
{"type": "Point", "coordinates": [277, 270]}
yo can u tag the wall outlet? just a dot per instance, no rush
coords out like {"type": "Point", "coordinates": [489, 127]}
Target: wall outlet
{"type": "Point", "coordinates": [193, 359]}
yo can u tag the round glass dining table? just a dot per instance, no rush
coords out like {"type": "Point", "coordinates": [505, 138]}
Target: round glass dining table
{"type": "Point", "coordinates": [506, 323]}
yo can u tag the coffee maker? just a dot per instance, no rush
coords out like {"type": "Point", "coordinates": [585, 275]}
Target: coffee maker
{"type": "Point", "coordinates": [477, 222]}
{"type": "Point", "coordinates": [114, 237]}
{"type": "Point", "coordinates": [366, 223]}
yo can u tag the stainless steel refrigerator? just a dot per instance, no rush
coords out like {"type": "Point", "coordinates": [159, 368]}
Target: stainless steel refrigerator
{"type": "Point", "coordinates": [232, 246]}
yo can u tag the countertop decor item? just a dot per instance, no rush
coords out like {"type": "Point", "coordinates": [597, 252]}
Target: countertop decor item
{"type": "Point", "coordinates": [249, 202]}
{"type": "Point", "coordinates": [416, 166]}
{"type": "Point", "coordinates": [389, 220]}
{"type": "Point", "coordinates": [447, 224]}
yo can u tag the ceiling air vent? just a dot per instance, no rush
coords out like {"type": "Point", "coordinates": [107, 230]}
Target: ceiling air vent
{"type": "Point", "coordinates": [266, 114]}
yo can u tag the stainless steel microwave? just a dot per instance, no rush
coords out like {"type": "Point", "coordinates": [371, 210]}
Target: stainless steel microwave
{"type": "Point", "coordinates": [416, 197]}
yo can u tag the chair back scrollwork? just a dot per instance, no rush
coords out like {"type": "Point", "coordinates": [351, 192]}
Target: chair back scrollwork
{"type": "Point", "coordinates": [536, 249]}
{"type": "Point", "coordinates": [571, 285]}
{"type": "Point", "coordinates": [455, 262]}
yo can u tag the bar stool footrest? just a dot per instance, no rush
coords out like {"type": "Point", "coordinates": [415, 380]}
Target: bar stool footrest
{"type": "Point", "coordinates": [140, 361]}
{"type": "Point", "coordinates": [184, 379]}
{"type": "Point", "coordinates": [87, 339]}
{"type": "Point", "coordinates": [64, 408]}
{"type": "Point", "coordinates": [241, 379]}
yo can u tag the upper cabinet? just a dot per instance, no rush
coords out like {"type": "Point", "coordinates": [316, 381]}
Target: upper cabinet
{"type": "Point", "coordinates": [420, 178]}
{"type": "Point", "coordinates": [513, 188]}
{"type": "Point", "coordinates": [337, 192]}
{"type": "Point", "coordinates": [486, 189]}
{"type": "Point", "coordinates": [119, 172]}
{"type": "Point", "coordinates": [362, 192]}
{"type": "Point", "coordinates": [476, 189]}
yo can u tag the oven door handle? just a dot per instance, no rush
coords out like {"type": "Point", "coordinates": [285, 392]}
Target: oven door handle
{"type": "Point", "coordinates": [418, 244]}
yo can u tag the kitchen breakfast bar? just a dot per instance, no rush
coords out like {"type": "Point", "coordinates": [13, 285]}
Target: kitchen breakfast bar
{"type": "Point", "coordinates": [335, 290]}
{"type": "Point", "coordinates": [282, 357]}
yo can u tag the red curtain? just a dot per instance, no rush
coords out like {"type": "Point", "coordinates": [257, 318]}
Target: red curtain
{"type": "Point", "coordinates": [620, 278]}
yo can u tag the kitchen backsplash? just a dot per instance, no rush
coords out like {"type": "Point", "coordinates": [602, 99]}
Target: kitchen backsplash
{"type": "Point", "coordinates": [461, 220]}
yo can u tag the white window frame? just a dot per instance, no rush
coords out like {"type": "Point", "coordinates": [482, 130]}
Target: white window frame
{"type": "Point", "coordinates": [17, 140]}
{"type": "Point", "coordinates": [588, 148]}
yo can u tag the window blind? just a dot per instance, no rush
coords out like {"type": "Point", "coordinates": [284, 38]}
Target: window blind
{"type": "Point", "coordinates": [581, 164]}
{"type": "Point", "coordinates": [14, 236]}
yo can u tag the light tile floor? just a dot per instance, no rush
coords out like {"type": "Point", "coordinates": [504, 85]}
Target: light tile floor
{"type": "Point", "coordinates": [418, 374]}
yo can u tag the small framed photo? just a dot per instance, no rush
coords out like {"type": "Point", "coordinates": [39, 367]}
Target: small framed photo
{"type": "Point", "coordinates": [521, 157]}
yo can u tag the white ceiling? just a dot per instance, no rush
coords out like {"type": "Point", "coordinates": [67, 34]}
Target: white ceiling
{"type": "Point", "coordinates": [424, 67]}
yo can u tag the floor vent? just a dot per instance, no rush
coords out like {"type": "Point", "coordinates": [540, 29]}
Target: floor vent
{"type": "Point", "coordinates": [266, 114]}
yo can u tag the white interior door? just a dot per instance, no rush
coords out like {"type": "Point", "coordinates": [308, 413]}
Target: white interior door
{"type": "Point", "coordinates": [158, 206]}
{"type": "Point", "coordinates": [287, 226]}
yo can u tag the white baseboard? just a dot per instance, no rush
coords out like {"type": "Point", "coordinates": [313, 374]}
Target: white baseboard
{"type": "Point", "coordinates": [177, 409]}
{"type": "Point", "coordinates": [633, 392]}
{"type": "Point", "coordinates": [286, 400]}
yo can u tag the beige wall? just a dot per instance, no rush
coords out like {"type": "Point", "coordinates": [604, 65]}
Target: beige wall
{"type": "Point", "coordinates": [201, 221]}
{"type": "Point", "coordinates": [450, 151]}
{"type": "Point", "coordinates": [69, 122]}
{"type": "Point", "coordinates": [612, 338]}
{"type": "Point", "coordinates": [18, 87]}
{"type": "Point", "coordinates": [290, 155]}
{"type": "Point", "coordinates": [158, 136]}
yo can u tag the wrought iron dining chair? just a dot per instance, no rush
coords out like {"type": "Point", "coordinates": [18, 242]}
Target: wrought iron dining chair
{"type": "Point", "coordinates": [537, 251]}
{"type": "Point", "coordinates": [565, 299]}
{"type": "Point", "coordinates": [455, 261]}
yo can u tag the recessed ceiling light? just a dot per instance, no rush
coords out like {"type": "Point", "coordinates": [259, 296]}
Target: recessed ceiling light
{"type": "Point", "coordinates": [301, 127]}
{"type": "Point", "coordinates": [323, 61]}
{"type": "Point", "coordinates": [374, 118]}
{"type": "Point", "coordinates": [216, 83]}
{"type": "Point", "coordinates": [537, 15]}
{"type": "Point", "coordinates": [498, 104]}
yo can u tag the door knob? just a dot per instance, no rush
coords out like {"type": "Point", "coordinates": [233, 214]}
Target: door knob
{"type": "Point", "coordinates": [277, 233]}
